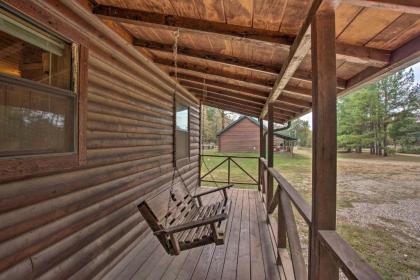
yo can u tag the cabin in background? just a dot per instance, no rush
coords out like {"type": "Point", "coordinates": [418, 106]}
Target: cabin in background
{"type": "Point", "coordinates": [242, 135]}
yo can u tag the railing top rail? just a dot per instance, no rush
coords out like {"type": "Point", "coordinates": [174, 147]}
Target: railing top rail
{"type": "Point", "coordinates": [353, 266]}
{"type": "Point", "coordinates": [227, 156]}
{"type": "Point", "coordinates": [301, 205]}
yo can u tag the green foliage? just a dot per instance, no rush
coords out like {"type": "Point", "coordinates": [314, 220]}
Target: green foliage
{"type": "Point", "coordinates": [300, 129]}
{"type": "Point", "coordinates": [213, 121]}
{"type": "Point", "coordinates": [368, 117]}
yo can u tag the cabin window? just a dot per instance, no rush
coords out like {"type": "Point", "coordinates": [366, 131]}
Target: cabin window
{"type": "Point", "coordinates": [37, 91]}
{"type": "Point", "coordinates": [182, 134]}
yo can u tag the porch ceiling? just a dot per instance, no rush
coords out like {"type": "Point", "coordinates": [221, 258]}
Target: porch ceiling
{"type": "Point", "coordinates": [240, 55]}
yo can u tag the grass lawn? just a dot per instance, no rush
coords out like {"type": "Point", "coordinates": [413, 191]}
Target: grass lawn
{"type": "Point", "coordinates": [378, 203]}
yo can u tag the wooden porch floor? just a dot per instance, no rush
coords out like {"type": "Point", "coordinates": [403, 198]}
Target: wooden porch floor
{"type": "Point", "coordinates": [247, 253]}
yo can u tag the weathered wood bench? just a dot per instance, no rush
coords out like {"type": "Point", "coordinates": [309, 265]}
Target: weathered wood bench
{"type": "Point", "coordinates": [189, 223]}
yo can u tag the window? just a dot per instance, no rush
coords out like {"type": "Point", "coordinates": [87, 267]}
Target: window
{"type": "Point", "coordinates": [37, 93]}
{"type": "Point", "coordinates": [182, 135]}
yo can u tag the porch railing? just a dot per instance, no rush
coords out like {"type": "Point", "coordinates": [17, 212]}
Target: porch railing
{"type": "Point", "coordinates": [231, 161]}
{"type": "Point", "coordinates": [285, 228]}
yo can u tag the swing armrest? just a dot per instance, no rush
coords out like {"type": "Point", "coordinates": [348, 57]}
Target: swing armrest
{"type": "Point", "coordinates": [213, 190]}
{"type": "Point", "coordinates": [193, 224]}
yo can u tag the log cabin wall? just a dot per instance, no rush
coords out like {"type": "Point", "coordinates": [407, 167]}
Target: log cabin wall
{"type": "Point", "coordinates": [241, 137]}
{"type": "Point", "coordinates": [80, 222]}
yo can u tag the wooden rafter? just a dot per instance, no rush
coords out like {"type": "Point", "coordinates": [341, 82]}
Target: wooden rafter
{"type": "Point", "coordinates": [263, 94]}
{"type": "Point", "coordinates": [354, 54]}
{"type": "Point", "coordinates": [222, 93]}
{"type": "Point", "coordinates": [245, 101]}
{"type": "Point", "coordinates": [301, 76]}
{"type": "Point", "coordinates": [299, 49]}
{"type": "Point", "coordinates": [402, 6]}
{"type": "Point", "coordinates": [350, 53]}
{"type": "Point", "coordinates": [236, 109]}
{"type": "Point", "coordinates": [400, 58]}
{"type": "Point", "coordinates": [172, 22]}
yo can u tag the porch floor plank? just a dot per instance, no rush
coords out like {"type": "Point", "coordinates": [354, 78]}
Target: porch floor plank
{"type": "Point", "coordinates": [246, 254]}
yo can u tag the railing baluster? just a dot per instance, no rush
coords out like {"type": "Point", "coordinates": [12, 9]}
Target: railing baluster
{"type": "Point", "coordinates": [289, 222]}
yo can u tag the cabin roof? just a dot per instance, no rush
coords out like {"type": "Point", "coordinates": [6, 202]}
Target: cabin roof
{"type": "Point", "coordinates": [239, 55]}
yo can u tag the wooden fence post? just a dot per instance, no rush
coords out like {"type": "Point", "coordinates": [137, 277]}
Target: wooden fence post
{"type": "Point", "coordinates": [324, 153]}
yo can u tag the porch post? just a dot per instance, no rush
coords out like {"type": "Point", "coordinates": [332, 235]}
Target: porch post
{"type": "Point", "coordinates": [262, 140]}
{"type": "Point", "coordinates": [270, 157]}
{"type": "Point", "coordinates": [324, 153]}
{"type": "Point", "coordinates": [262, 154]}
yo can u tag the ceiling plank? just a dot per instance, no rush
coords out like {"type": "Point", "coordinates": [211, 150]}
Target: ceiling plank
{"type": "Point", "coordinates": [299, 49]}
{"type": "Point", "coordinates": [201, 54]}
{"type": "Point", "coordinates": [346, 52]}
{"type": "Point", "coordinates": [172, 22]}
{"type": "Point", "coordinates": [402, 6]}
{"type": "Point", "coordinates": [401, 58]}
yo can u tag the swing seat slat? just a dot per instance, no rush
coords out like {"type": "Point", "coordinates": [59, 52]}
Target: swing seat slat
{"type": "Point", "coordinates": [190, 223]}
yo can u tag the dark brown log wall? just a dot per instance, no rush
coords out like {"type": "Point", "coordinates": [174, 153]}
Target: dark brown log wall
{"type": "Point", "coordinates": [241, 137]}
{"type": "Point", "coordinates": [81, 222]}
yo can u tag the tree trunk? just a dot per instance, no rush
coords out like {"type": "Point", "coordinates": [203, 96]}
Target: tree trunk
{"type": "Point", "coordinates": [385, 140]}
{"type": "Point", "coordinates": [223, 119]}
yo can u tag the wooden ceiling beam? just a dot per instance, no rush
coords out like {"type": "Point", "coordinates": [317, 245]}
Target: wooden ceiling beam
{"type": "Point", "coordinates": [401, 6]}
{"type": "Point", "coordinates": [216, 57]}
{"type": "Point", "coordinates": [203, 70]}
{"type": "Point", "coordinates": [253, 92]}
{"type": "Point", "coordinates": [236, 62]}
{"type": "Point", "coordinates": [172, 22]}
{"type": "Point", "coordinates": [353, 54]}
{"type": "Point", "coordinates": [298, 51]}
{"type": "Point", "coordinates": [226, 93]}
{"type": "Point", "coordinates": [241, 101]}
{"type": "Point", "coordinates": [208, 82]}
{"type": "Point", "coordinates": [222, 105]}
{"type": "Point", "coordinates": [293, 102]}
{"type": "Point", "coordinates": [264, 37]}
{"type": "Point", "coordinates": [222, 93]}
{"type": "Point", "coordinates": [229, 102]}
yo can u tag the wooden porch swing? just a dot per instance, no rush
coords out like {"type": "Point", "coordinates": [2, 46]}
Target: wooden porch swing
{"type": "Point", "coordinates": [189, 223]}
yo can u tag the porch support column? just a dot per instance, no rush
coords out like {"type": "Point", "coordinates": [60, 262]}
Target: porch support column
{"type": "Point", "coordinates": [270, 156]}
{"type": "Point", "coordinates": [262, 155]}
{"type": "Point", "coordinates": [262, 139]}
{"type": "Point", "coordinates": [324, 153]}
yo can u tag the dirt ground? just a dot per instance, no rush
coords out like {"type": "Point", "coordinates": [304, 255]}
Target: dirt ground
{"type": "Point", "coordinates": [378, 209]}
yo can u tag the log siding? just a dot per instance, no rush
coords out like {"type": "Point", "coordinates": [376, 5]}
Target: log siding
{"type": "Point", "coordinates": [81, 222]}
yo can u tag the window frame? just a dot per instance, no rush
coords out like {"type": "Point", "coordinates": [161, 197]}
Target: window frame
{"type": "Point", "coordinates": [16, 167]}
{"type": "Point", "coordinates": [176, 103]}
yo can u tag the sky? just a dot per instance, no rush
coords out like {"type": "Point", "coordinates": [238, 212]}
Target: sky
{"type": "Point", "coordinates": [416, 68]}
